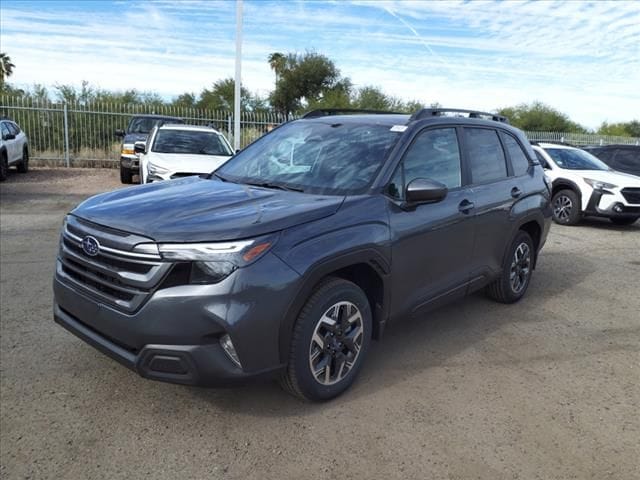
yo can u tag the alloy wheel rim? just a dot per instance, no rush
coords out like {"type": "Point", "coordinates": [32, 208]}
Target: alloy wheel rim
{"type": "Point", "coordinates": [520, 267]}
{"type": "Point", "coordinates": [562, 208]}
{"type": "Point", "coordinates": [336, 343]}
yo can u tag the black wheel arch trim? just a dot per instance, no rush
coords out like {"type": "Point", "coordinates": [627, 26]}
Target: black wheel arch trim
{"type": "Point", "coordinates": [563, 182]}
{"type": "Point", "coordinates": [368, 256]}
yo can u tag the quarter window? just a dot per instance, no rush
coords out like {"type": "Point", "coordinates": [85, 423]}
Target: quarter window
{"type": "Point", "coordinates": [519, 160]}
{"type": "Point", "coordinates": [435, 155]}
{"type": "Point", "coordinates": [486, 157]}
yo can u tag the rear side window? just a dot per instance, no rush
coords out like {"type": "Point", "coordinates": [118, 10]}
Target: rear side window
{"type": "Point", "coordinates": [519, 160]}
{"type": "Point", "coordinates": [486, 158]}
{"type": "Point", "coordinates": [435, 155]}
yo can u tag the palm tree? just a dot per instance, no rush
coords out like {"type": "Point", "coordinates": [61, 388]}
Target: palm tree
{"type": "Point", "coordinates": [6, 67]}
{"type": "Point", "coordinates": [277, 63]}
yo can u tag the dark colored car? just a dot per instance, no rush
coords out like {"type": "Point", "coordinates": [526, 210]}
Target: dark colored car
{"type": "Point", "coordinates": [623, 158]}
{"type": "Point", "coordinates": [137, 131]}
{"type": "Point", "coordinates": [294, 254]}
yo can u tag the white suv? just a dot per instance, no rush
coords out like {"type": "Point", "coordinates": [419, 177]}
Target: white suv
{"type": "Point", "coordinates": [14, 149]}
{"type": "Point", "coordinates": [175, 151]}
{"type": "Point", "coordinates": [582, 185]}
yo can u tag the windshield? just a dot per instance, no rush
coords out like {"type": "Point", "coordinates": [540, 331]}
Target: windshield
{"type": "Point", "coordinates": [190, 141]}
{"type": "Point", "coordinates": [145, 124]}
{"type": "Point", "coordinates": [316, 157]}
{"type": "Point", "coordinates": [575, 159]}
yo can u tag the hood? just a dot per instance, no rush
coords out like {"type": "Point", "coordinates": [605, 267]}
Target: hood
{"type": "Point", "coordinates": [620, 179]}
{"type": "Point", "coordinates": [195, 209]}
{"type": "Point", "coordinates": [131, 138]}
{"type": "Point", "coordinates": [179, 162]}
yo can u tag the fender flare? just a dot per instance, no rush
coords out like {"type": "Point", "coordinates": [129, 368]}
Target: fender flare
{"type": "Point", "coordinates": [324, 268]}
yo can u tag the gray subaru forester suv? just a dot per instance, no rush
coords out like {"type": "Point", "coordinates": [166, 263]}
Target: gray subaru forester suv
{"type": "Point", "coordinates": [298, 251]}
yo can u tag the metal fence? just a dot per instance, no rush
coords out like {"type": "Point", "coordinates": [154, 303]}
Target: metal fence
{"type": "Point", "coordinates": [83, 134]}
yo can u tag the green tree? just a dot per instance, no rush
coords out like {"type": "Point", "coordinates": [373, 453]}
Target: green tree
{"type": "Point", "coordinates": [540, 117]}
{"type": "Point", "coordinates": [185, 100]}
{"type": "Point", "coordinates": [308, 79]}
{"type": "Point", "coordinates": [621, 129]}
{"type": "Point", "coordinates": [220, 97]}
{"type": "Point", "coordinates": [6, 67]}
{"type": "Point", "coordinates": [277, 62]}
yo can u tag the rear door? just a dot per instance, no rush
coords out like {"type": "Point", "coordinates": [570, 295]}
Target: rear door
{"type": "Point", "coordinates": [10, 144]}
{"type": "Point", "coordinates": [432, 243]}
{"type": "Point", "coordinates": [495, 190]}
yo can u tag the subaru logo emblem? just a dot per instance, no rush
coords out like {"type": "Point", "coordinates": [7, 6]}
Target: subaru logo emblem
{"type": "Point", "coordinates": [90, 246]}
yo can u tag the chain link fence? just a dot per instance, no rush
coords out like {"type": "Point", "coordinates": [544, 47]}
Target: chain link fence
{"type": "Point", "coordinates": [83, 134]}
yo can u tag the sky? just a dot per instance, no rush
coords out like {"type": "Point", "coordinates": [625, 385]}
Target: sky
{"type": "Point", "coordinates": [582, 58]}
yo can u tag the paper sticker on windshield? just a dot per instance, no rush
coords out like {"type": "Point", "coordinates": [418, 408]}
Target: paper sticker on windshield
{"type": "Point", "coordinates": [398, 128]}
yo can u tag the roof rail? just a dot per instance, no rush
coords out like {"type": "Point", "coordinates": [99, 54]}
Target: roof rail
{"type": "Point", "coordinates": [325, 112]}
{"type": "Point", "coordinates": [437, 112]}
{"type": "Point", "coordinates": [555, 142]}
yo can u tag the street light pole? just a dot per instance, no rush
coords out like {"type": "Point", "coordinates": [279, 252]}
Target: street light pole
{"type": "Point", "coordinates": [238, 81]}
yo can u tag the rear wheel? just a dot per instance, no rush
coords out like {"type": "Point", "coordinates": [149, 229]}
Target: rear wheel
{"type": "Point", "coordinates": [624, 220]}
{"type": "Point", "coordinates": [125, 175]}
{"type": "Point", "coordinates": [566, 207]}
{"type": "Point", "coordinates": [4, 167]}
{"type": "Point", "coordinates": [330, 341]}
{"type": "Point", "coordinates": [517, 268]}
{"type": "Point", "coordinates": [23, 166]}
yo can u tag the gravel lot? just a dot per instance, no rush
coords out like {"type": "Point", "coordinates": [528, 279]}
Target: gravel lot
{"type": "Point", "coordinates": [545, 389]}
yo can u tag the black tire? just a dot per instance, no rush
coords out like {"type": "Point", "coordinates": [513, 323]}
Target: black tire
{"type": "Point", "coordinates": [337, 298]}
{"type": "Point", "coordinates": [23, 166]}
{"type": "Point", "coordinates": [125, 175]}
{"type": "Point", "coordinates": [4, 168]}
{"type": "Point", "coordinates": [506, 289]}
{"type": "Point", "coordinates": [566, 207]}
{"type": "Point", "coordinates": [624, 220]}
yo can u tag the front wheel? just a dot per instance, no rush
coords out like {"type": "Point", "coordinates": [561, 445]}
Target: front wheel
{"type": "Point", "coordinates": [517, 268]}
{"type": "Point", "coordinates": [4, 168]}
{"type": "Point", "coordinates": [330, 340]}
{"type": "Point", "coordinates": [125, 175]}
{"type": "Point", "coordinates": [566, 207]}
{"type": "Point", "coordinates": [23, 166]}
{"type": "Point", "coordinates": [624, 220]}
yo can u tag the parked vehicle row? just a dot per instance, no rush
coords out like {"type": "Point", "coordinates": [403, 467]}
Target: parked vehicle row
{"type": "Point", "coordinates": [298, 251]}
{"type": "Point", "coordinates": [137, 131]}
{"type": "Point", "coordinates": [14, 148]}
{"type": "Point", "coordinates": [583, 186]}
{"type": "Point", "coordinates": [176, 151]}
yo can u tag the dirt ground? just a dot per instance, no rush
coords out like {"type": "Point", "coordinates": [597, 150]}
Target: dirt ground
{"type": "Point", "coordinates": [548, 388]}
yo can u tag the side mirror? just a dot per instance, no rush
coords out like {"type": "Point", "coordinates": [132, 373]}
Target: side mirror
{"type": "Point", "coordinates": [140, 147]}
{"type": "Point", "coordinates": [423, 190]}
{"type": "Point", "coordinates": [119, 133]}
{"type": "Point", "coordinates": [8, 136]}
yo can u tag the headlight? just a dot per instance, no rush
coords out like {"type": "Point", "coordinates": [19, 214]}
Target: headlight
{"type": "Point", "coordinates": [213, 262]}
{"type": "Point", "coordinates": [127, 150]}
{"type": "Point", "coordinates": [156, 169]}
{"type": "Point", "coordinates": [598, 185]}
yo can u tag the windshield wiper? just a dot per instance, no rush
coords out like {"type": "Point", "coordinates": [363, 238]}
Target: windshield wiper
{"type": "Point", "coordinates": [278, 186]}
{"type": "Point", "coordinates": [217, 175]}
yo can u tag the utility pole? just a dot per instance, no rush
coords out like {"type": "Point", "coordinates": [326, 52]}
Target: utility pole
{"type": "Point", "coordinates": [238, 81]}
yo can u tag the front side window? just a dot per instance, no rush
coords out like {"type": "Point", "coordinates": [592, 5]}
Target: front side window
{"type": "Point", "coordinates": [575, 159]}
{"type": "Point", "coordinates": [4, 129]}
{"type": "Point", "coordinates": [13, 128]}
{"type": "Point", "coordinates": [190, 142]}
{"type": "Point", "coordinates": [486, 157]}
{"type": "Point", "coordinates": [435, 155]}
{"type": "Point", "coordinates": [519, 160]}
{"type": "Point", "coordinates": [314, 156]}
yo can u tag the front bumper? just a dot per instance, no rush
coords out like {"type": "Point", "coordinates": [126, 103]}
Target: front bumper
{"type": "Point", "coordinates": [131, 162]}
{"type": "Point", "coordinates": [175, 335]}
{"type": "Point", "coordinates": [610, 204]}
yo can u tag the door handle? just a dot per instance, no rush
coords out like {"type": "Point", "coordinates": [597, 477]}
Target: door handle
{"type": "Point", "coordinates": [516, 192]}
{"type": "Point", "coordinates": [465, 206]}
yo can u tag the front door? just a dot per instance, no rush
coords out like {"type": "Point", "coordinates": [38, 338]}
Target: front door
{"type": "Point", "coordinates": [432, 243]}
